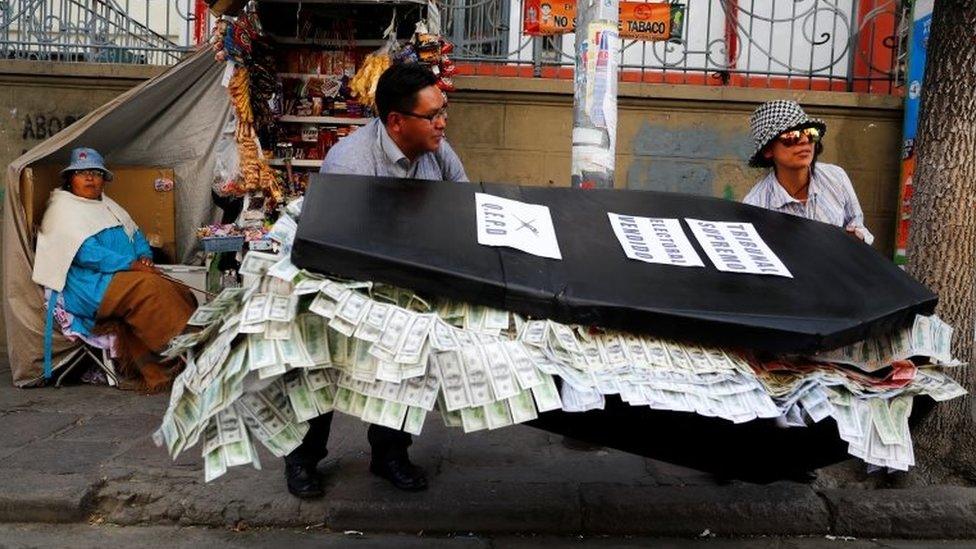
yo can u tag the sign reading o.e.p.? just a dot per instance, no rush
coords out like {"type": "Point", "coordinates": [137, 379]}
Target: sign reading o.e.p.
{"type": "Point", "coordinates": [525, 227]}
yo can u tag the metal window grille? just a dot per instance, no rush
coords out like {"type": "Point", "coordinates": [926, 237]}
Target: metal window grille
{"type": "Point", "coordinates": [842, 45]}
{"type": "Point", "coordinates": [157, 32]}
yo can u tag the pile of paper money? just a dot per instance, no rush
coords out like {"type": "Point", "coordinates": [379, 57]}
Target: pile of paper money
{"type": "Point", "coordinates": [291, 345]}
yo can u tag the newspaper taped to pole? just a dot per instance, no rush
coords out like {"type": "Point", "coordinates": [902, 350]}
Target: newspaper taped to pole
{"type": "Point", "coordinates": [595, 95]}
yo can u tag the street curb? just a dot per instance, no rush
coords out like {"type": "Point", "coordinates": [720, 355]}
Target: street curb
{"type": "Point", "coordinates": [946, 512]}
{"type": "Point", "coordinates": [786, 509]}
{"type": "Point", "coordinates": [775, 509]}
{"type": "Point", "coordinates": [45, 498]}
{"type": "Point", "coordinates": [480, 507]}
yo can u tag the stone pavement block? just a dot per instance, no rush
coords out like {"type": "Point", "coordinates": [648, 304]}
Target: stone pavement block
{"type": "Point", "coordinates": [145, 454]}
{"type": "Point", "coordinates": [938, 512]}
{"type": "Point", "coordinates": [29, 496]}
{"type": "Point", "coordinates": [482, 507]}
{"type": "Point", "coordinates": [774, 509]}
{"type": "Point", "coordinates": [60, 457]}
{"type": "Point", "coordinates": [244, 495]}
{"type": "Point", "coordinates": [20, 428]}
{"type": "Point", "coordinates": [113, 428]}
{"type": "Point", "coordinates": [79, 399]}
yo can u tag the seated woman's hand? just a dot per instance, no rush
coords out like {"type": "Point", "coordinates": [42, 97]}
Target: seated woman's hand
{"type": "Point", "coordinates": [143, 265]}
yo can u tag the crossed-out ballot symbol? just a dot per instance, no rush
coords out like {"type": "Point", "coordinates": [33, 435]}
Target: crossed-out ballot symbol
{"type": "Point", "coordinates": [526, 225]}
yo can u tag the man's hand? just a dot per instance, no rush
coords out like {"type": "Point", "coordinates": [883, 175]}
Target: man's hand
{"type": "Point", "coordinates": [855, 232]}
{"type": "Point", "coordinates": [144, 265]}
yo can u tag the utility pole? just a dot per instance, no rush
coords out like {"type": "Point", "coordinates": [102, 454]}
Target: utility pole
{"type": "Point", "coordinates": [595, 94]}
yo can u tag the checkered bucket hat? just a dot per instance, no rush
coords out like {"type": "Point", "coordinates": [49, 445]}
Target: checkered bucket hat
{"type": "Point", "coordinates": [775, 117]}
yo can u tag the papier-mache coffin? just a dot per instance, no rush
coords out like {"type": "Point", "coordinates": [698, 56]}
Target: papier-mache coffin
{"type": "Point", "coordinates": [422, 235]}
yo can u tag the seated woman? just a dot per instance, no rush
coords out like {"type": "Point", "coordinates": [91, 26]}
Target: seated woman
{"type": "Point", "coordinates": [789, 142]}
{"type": "Point", "coordinates": [91, 251]}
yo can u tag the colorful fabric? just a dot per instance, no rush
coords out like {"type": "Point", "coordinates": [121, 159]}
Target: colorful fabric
{"type": "Point", "coordinates": [152, 307]}
{"type": "Point", "coordinates": [98, 260]}
{"type": "Point", "coordinates": [68, 222]}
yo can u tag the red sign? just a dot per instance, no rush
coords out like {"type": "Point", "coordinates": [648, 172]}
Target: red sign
{"type": "Point", "coordinates": [645, 21]}
{"type": "Point", "coordinates": [548, 17]}
{"type": "Point", "coordinates": [638, 20]}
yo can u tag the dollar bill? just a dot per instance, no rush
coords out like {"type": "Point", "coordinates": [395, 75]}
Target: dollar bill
{"type": "Point", "coordinates": [475, 375]}
{"type": "Point", "coordinates": [239, 453]}
{"type": "Point", "coordinates": [343, 400]}
{"type": "Point", "coordinates": [448, 367]}
{"type": "Point", "coordinates": [496, 319]}
{"type": "Point", "coordinates": [214, 465]}
{"type": "Point", "coordinates": [205, 315]}
{"type": "Point", "coordinates": [256, 309]}
{"type": "Point", "coordinates": [414, 421]}
{"type": "Point", "coordinates": [324, 399]}
{"type": "Point", "coordinates": [393, 414]}
{"type": "Point", "coordinates": [257, 263]}
{"type": "Point", "coordinates": [503, 384]}
{"type": "Point", "coordinates": [535, 333]}
{"type": "Point", "coordinates": [313, 331]}
{"type": "Point", "coordinates": [323, 305]}
{"type": "Point", "coordinates": [374, 322]}
{"type": "Point", "coordinates": [261, 352]}
{"type": "Point", "coordinates": [388, 344]}
{"type": "Point", "coordinates": [522, 407]}
{"type": "Point", "coordinates": [410, 349]}
{"type": "Point", "coordinates": [546, 395]}
{"type": "Point", "coordinates": [473, 419]}
{"type": "Point", "coordinates": [357, 405]}
{"type": "Point", "coordinates": [300, 396]}
{"type": "Point", "coordinates": [373, 410]}
{"type": "Point", "coordinates": [442, 336]}
{"type": "Point", "coordinates": [497, 414]}
{"type": "Point", "coordinates": [293, 351]}
{"type": "Point", "coordinates": [282, 308]}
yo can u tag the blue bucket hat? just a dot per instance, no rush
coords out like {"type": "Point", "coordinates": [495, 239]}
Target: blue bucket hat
{"type": "Point", "coordinates": [84, 158]}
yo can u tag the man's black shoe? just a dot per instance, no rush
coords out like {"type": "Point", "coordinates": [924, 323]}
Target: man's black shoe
{"type": "Point", "coordinates": [303, 481]}
{"type": "Point", "coordinates": [401, 473]}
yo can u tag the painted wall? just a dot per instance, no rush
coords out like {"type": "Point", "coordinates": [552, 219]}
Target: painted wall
{"type": "Point", "coordinates": [39, 99]}
{"type": "Point", "coordinates": [672, 138]}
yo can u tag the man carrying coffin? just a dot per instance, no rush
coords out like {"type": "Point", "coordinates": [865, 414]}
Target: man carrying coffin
{"type": "Point", "coordinates": [405, 141]}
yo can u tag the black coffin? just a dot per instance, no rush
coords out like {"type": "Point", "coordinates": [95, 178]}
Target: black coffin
{"type": "Point", "coordinates": [754, 451]}
{"type": "Point", "coordinates": [421, 235]}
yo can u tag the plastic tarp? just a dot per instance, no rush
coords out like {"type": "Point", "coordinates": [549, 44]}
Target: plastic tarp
{"type": "Point", "coordinates": [422, 235]}
{"type": "Point", "coordinates": [174, 121]}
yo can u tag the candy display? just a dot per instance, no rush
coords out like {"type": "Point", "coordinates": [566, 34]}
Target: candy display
{"type": "Point", "coordinates": [363, 85]}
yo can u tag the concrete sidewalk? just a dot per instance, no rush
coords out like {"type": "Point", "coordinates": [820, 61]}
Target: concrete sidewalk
{"type": "Point", "coordinates": [84, 454]}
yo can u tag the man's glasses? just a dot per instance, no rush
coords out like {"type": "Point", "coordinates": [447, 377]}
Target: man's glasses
{"type": "Point", "coordinates": [92, 173]}
{"type": "Point", "coordinates": [794, 137]}
{"type": "Point", "coordinates": [428, 117]}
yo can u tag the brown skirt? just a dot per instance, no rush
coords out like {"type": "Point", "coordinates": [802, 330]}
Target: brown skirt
{"type": "Point", "coordinates": [145, 311]}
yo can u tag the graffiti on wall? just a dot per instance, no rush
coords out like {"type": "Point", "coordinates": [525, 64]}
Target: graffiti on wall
{"type": "Point", "coordinates": [40, 126]}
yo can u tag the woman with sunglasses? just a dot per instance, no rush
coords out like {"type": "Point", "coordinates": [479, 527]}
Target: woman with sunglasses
{"type": "Point", "coordinates": [789, 142]}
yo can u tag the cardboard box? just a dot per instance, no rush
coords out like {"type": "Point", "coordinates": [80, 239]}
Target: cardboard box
{"type": "Point", "coordinates": [140, 190]}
